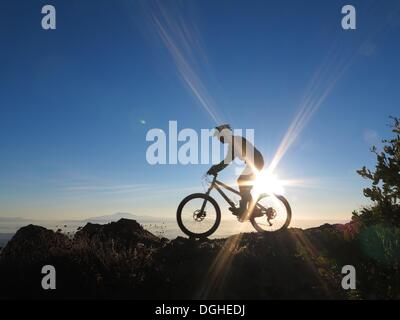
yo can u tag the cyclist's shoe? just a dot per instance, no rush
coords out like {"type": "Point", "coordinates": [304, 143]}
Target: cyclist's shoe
{"type": "Point", "coordinates": [236, 211]}
{"type": "Point", "coordinates": [240, 213]}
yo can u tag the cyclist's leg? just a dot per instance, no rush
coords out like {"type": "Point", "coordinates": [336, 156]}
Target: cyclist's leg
{"type": "Point", "coordinates": [245, 185]}
{"type": "Point", "coordinates": [246, 181]}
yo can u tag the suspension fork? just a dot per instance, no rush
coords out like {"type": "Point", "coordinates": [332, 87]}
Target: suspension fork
{"type": "Point", "coordinates": [203, 206]}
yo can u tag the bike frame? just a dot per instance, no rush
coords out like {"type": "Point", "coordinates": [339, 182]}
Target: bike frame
{"type": "Point", "coordinates": [215, 184]}
{"type": "Point", "coordinates": [262, 209]}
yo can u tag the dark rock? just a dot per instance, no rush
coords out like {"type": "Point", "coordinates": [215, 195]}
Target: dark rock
{"type": "Point", "coordinates": [124, 233]}
{"type": "Point", "coordinates": [34, 243]}
{"type": "Point", "coordinates": [123, 260]}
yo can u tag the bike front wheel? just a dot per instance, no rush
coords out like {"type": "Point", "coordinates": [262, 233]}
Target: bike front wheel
{"type": "Point", "coordinates": [274, 213]}
{"type": "Point", "coordinates": [195, 222]}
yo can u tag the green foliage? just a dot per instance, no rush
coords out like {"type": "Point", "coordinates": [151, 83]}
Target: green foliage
{"type": "Point", "coordinates": [381, 243]}
{"type": "Point", "coordinates": [385, 183]}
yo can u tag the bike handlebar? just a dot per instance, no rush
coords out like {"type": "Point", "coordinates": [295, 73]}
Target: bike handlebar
{"type": "Point", "coordinates": [211, 175]}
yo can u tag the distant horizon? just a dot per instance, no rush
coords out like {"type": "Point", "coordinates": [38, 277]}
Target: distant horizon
{"type": "Point", "coordinates": [19, 222]}
{"type": "Point", "coordinates": [163, 228]}
{"type": "Point", "coordinates": [132, 215]}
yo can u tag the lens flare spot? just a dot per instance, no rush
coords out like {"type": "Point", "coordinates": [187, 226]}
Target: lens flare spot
{"type": "Point", "coordinates": [267, 182]}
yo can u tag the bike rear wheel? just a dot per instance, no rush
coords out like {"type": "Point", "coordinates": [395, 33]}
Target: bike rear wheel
{"type": "Point", "coordinates": [276, 216]}
{"type": "Point", "coordinates": [194, 222]}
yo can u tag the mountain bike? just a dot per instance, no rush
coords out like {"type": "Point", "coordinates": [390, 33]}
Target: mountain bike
{"type": "Point", "coordinates": [199, 215]}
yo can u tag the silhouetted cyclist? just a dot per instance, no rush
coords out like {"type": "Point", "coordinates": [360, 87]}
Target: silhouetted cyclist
{"type": "Point", "coordinates": [239, 147]}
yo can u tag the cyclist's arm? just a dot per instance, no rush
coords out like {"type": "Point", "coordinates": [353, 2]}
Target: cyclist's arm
{"type": "Point", "coordinates": [228, 159]}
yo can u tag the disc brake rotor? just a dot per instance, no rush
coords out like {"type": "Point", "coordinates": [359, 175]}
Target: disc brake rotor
{"type": "Point", "coordinates": [199, 216]}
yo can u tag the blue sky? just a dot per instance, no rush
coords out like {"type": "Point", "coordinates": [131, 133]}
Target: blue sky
{"type": "Point", "coordinates": [72, 99]}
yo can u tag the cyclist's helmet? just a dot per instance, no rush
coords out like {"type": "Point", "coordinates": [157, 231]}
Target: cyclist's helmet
{"type": "Point", "coordinates": [218, 130]}
{"type": "Point", "coordinates": [223, 131]}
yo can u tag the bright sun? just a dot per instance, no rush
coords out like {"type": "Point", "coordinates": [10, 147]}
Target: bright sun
{"type": "Point", "coordinates": [267, 182]}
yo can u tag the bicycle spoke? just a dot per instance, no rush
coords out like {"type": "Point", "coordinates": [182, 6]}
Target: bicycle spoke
{"type": "Point", "coordinates": [275, 210]}
{"type": "Point", "coordinates": [195, 220]}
